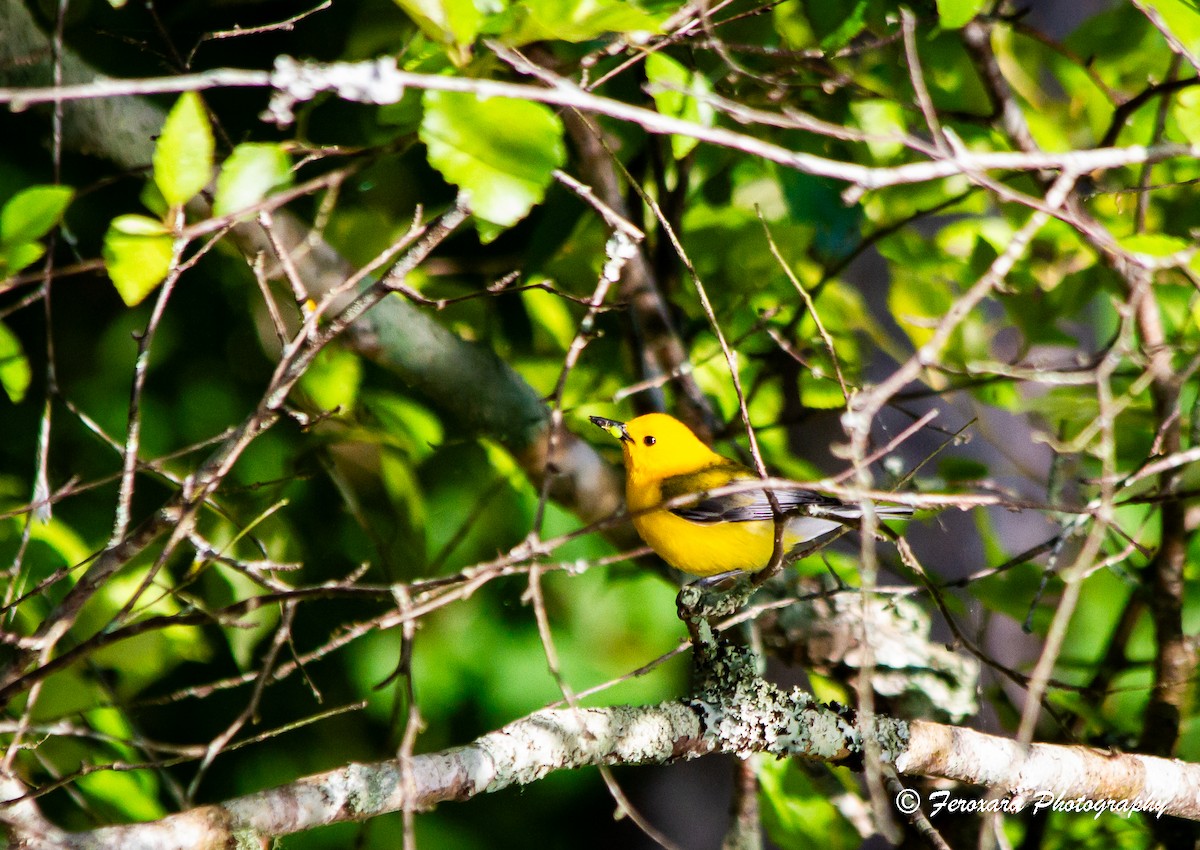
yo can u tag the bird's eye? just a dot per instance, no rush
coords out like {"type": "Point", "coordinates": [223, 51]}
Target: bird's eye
{"type": "Point", "coordinates": [649, 441]}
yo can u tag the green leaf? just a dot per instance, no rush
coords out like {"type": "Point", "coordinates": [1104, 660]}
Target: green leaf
{"type": "Point", "coordinates": [488, 231]}
{"type": "Point", "coordinates": [550, 315]}
{"type": "Point", "coordinates": [153, 200]}
{"type": "Point", "coordinates": [31, 213]}
{"type": "Point", "coordinates": [139, 225]}
{"type": "Point", "coordinates": [183, 157]}
{"type": "Point", "coordinates": [413, 429]}
{"type": "Point", "coordinates": [793, 26]}
{"type": "Point", "coordinates": [882, 119]}
{"type": "Point", "coordinates": [1187, 114]}
{"type": "Point", "coordinates": [137, 254]}
{"type": "Point", "coordinates": [1153, 244]}
{"type": "Point", "coordinates": [954, 14]}
{"type": "Point", "coordinates": [1182, 19]}
{"type": "Point", "coordinates": [574, 20]}
{"type": "Point", "coordinates": [13, 258]}
{"type": "Point", "coordinates": [816, 201]}
{"type": "Point", "coordinates": [454, 22]}
{"type": "Point", "coordinates": [501, 152]}
{"type": "Point", "coordinates": [228, 586]}
{"type": "Point", "coordinates": [821, 393]}
{"type": "Point", "coordinates": [143, 658]}
{"type": "Point", "coordinates": [333, 379]}
{"type": "Point", "coordinates": [677, 92]}
{"type": "Point", "coordinates": [14, 366]}
{"type": "Point", "coordinates": [918, 303]}
{"type": "Point", "coordinates": [836, 25]}
{"type": "Point", "coordinates": [63, 540]}
{"type": "Point", "coordinates": [795, 807]}
{"type": "Point", "coordinates": [131, 795]}
{"type": "Point", "coordinates": [250, 172]}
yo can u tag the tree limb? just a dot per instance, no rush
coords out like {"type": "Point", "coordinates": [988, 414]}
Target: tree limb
{"type": "Point", "coordinates": [751, 716]}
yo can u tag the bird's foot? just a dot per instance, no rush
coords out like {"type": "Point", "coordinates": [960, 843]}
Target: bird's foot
{"type": "Point", "coordinates": [709, 598]}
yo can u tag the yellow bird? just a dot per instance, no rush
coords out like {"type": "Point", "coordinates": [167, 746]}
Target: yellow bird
{"type": "Point", "coordinates": [665, 461]}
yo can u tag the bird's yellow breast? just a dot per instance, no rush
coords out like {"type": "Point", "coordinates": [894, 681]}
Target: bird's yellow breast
{"type": "Point", "coordinates": [702, 549]}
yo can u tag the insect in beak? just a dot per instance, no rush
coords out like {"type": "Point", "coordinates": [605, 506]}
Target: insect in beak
{"type": "Point", "coordinates": [613, 427]}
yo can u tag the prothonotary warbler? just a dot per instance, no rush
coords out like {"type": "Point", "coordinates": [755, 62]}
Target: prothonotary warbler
{"type": "Point", "coordinates": [665, 461]}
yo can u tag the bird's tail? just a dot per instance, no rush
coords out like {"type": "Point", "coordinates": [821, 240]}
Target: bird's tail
{"type": "Point", "coordinates": [881, 511]}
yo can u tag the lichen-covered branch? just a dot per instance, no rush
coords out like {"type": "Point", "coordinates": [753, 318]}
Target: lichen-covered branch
{"type": "Point", "coordinates": [735, 713]}
{"type": "Point", "coordinates": [381, 81]}
{"type": "Point", "coordinates": [1162, 786]}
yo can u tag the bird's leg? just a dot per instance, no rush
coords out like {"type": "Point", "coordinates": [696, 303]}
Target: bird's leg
{"type": "Point", "coordinates": [714, 596]}
{"type": "Point", "coordinates": [716, 662]}
{"type": "Point", "coordinates": [705, 600]}
{"type": "Point", "coordinates": [687, 605]}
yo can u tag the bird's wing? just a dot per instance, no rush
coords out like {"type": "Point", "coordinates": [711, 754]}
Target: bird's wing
{"type": "Point", "coordinates": [746, 506]}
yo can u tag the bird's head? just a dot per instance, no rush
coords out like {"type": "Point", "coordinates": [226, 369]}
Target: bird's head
{"type": "Point", "coordinates": [657, 446]}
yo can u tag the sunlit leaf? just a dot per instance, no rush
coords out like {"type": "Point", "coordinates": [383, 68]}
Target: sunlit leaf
{"type": "Point", "coordinates": [679, 93]}
{"type": "Point", "coordinates": [333, 380]}
{"type": "Point", "coordinates": [18, 256]}
{"type": "Point", "coordinates": [137, 253]}
{"type": "Point", "coordinates": [551, 315]}
{"type": "Point", "coordinates": [793, 26]}
{"type": "Point", "coordinates": [918, 304]}
{"type": "Point", "coordinates": [884, 121]}
{"type": "Point", "coordinates": [1154, 244]}
{"type": "Point", "coordinates": [143, 658]}
{"type": "Point", "coordinates": [821, 393]}
{"type": "Point", "coordinates": [406, 424]}
{"type": "Point", "coordinates": [797, 812]}
{"type": "Point", "coordinates": [139, 225]}
{"type": "Point", "coordinates": [1182, 19]}
{"type": "Point", "coordinates": [29, 214]}
{"type": "Point", "coordinates": [183, 156]}
{"type": "Point", "coordinates": [1187, 114]}
{"type": "Point", "coordinates": [953, 14]}
{"type": "Point", "coordinates": [125, 793]}
{"type": "Point", "coordinates": [14, 366]}
{"type": "Point", "coordinates": [249, 174]}
{"type": "Point", "coordinates": [451, 22]}
{"type": "Point", "coordinates": [574, 20]}
{"type": "Point", "coordinates": [501, 152]}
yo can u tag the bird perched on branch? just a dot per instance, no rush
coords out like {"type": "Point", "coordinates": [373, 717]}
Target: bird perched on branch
{"type": "Point", "coordinates": [716, 532]}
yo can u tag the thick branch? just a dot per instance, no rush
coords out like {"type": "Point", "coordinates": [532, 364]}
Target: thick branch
{"type": "Point", "coordinates": [756, 717]}
{"type": "Point", "coordinates": [1163, 786]}
{"type": "Point", "coordinates": [380, 81]}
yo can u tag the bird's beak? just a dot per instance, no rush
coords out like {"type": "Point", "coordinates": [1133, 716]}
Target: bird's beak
{"type": "Point", "coordinates": [613, 427]}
